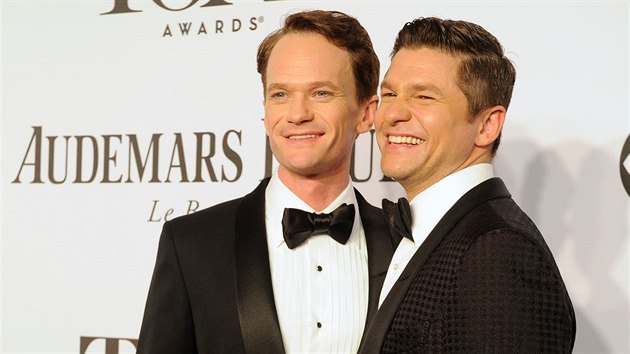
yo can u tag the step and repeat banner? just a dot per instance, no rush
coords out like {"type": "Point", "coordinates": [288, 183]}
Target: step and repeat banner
{"type": "Point", "coordinates": [118, 115]}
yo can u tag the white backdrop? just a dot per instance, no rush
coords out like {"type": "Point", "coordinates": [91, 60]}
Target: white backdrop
{"type": "Point", "coordinates": [82, 89]}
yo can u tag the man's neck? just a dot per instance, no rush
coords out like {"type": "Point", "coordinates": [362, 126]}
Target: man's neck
{"type": "Point", "coordinates": [414, 186]}
{"type": "Point", "coordinates": [316, 191]}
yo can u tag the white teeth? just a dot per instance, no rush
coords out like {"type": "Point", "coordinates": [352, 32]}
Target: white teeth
{"type": "Point", "coordinates": [298, 137]}
{"type": "Point", "coordinates": [404, 140]}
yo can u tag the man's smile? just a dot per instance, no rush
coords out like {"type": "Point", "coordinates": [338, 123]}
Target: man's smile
{"type": "Point", "coordinates": [407, 140]}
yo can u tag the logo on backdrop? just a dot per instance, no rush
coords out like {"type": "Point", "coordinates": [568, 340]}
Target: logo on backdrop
{"type": "Point", "coordinates": [194, 157]}
{"type": "Point", "coordinates": [131, 158]}
{"type": "Point", "coordinates": [199, 28]}
{"type": "Point", "coordinates": [624, 165]}
{"type": "Point", "coordinates": [125, 158]}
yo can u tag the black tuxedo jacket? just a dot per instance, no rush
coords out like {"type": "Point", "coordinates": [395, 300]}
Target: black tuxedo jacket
{"type": "Point", "coordinates": [211, 290]}
{"type": "Point", "coordinates": [484, 281]}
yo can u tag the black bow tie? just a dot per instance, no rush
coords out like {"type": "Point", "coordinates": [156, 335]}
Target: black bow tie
{"type": "Point", "coordinates": [399, 219]}
{"type": "Point", "coordinates": [298, 225]}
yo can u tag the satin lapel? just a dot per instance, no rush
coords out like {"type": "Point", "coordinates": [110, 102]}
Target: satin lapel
{"type": "Point", "coordinates": [256, 306]}
{"type": "Point", "coordinates": [379, 249]}
{"type": "Point", "coordinates": [490, 189]}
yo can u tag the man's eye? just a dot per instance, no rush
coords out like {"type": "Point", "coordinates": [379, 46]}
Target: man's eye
{"type": "Point", "coordinates": [322, 93]}
{"type": "Point", "coordinates": [278, 95]}
{"type": "Point", "coordinates": [424, 97]}
{"type": "Point", "coordinates": [388, 94]}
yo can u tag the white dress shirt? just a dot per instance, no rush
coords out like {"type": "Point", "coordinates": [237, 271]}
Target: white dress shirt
{"type": "Point", "coordinates": [320, 287]}
{"type": "Point", "coordinates": [427, 208]}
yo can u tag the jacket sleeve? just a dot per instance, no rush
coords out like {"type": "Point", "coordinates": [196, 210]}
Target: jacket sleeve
{"type": "Point", "coordinates": [167, 326]}
{"type": "Point", "coordinates": [512, 298]}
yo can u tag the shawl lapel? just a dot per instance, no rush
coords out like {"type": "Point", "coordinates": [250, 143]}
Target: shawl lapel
{"type": "Point", "coordinates": [487, 190]}
{"type": "Point", "coordinates": [379, 249]}
{"type": "Point", "coordinates": [256, 307]}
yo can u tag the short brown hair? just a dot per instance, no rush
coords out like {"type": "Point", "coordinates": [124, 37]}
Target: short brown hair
{"type": "Point", "coordinates": [339, 29]}
{"type": "Point", "coordinates": [485, 75]}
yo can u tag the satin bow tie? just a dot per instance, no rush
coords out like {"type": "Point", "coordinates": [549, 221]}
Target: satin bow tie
{"type": "Point", "coordinates": [399, 219]}
{"type": "Point", "coordinates": [298, 225]}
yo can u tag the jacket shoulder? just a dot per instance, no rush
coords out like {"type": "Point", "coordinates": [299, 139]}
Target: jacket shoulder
{"type": "Point", "coordinates": [212, 216]}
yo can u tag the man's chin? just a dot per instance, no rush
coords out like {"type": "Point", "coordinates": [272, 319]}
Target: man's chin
{"type": "Point", "coordinates": [397, 171]}
{"type": "Point", "coordinates": [306, 170]}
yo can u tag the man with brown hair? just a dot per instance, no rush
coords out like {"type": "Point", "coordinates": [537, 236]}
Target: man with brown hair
{"type": "Point", "coordinates": [471, 272]}
{"type": "Point", "coordinates": [260, 274]}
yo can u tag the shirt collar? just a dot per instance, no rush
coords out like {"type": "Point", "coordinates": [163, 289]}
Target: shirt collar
{"type": "Point", "coordinates": [278, 197]}
{"type": "Point", "coordinates": [428, 207]}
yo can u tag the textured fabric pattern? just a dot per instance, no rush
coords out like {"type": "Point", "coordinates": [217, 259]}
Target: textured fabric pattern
{"type": "Point", "coordinates": [491, 286]}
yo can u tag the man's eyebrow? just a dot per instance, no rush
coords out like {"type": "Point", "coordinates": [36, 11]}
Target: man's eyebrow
{"type": "Point", "coordinates": [323, 83]}
{"type": "Point", "coordinates": [414, 86]}
{"type": "Point", "coordinates": [311, 85]}
{"type": "Point", "coordinates": [424, 87]}
{"type": "Point", "coordinates": [275, 86]}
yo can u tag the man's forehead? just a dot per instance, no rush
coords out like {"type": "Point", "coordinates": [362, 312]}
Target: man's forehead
{"type": "Point", "coordinates": [308, 55]}
{"type": "Point", "coordinates": [422, 61]}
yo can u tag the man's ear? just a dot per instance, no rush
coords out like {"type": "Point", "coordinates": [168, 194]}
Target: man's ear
{"type": "Point", "coordinates": [368, 115]}
{"type": "Point", "coordinates": [266, 127]}
{"type": "Point", "coordinates": [490, 126]}
{"type": "Point", "coordinates": [265, 120]}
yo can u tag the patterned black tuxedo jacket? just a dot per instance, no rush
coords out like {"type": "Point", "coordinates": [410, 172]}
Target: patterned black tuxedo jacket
{"type": "Point", "coordinates": [484, 281]}
{"type": "Point", "coordinates": [211, 290]}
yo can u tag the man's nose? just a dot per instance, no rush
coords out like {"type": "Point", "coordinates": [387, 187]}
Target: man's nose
{"type": "Point", "coordinates": [299, 111]}
{"type": "Point", "coordinates": [394, 112]}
